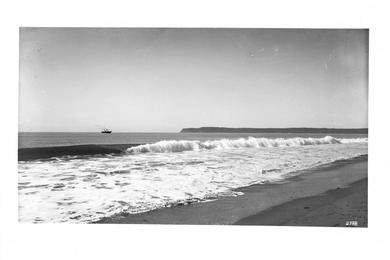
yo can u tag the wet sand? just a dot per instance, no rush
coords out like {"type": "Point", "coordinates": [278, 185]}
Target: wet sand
{"type": "Point", "coordinates": [326, 196]}
{"type": "Point", "coordinates": [337, 207]}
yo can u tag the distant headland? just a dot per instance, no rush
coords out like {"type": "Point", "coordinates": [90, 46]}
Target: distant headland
{"type": "Point", "coordinates": [276, 130]}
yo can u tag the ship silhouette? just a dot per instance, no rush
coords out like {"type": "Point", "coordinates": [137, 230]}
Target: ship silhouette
{"type": "Point", "coordinates": [106, 131]}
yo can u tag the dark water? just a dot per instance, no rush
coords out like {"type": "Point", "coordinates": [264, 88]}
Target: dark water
{"type": "Point", "coordinates": [45, 139]}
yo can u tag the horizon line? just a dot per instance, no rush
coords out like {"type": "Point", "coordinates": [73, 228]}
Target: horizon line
{"type": "Point", "coordinates": [98, 131]}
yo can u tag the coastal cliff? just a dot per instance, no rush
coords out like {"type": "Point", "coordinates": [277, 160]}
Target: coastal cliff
{"type": "Point", "coordinates": [276, 130]}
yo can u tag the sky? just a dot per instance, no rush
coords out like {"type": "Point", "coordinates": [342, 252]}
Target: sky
{"type": "Point", "coordinates": [163, 80]}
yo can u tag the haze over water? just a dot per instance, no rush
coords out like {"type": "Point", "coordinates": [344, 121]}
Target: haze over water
{"type": "Point", "coordinates": [161, 80]}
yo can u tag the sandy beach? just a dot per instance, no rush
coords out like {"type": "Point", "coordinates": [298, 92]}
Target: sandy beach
{"type": "Point", "coordinates": [330, 195]}
{"type": "Point", "coordinates": [337, 207]}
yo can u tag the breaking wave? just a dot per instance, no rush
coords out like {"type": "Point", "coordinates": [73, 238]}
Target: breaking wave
{"type": "Point", "coordinates": [173, 146]}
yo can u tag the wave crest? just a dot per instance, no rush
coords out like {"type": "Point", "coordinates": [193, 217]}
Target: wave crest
{"type": "Point", "coordinates": [173, 146]}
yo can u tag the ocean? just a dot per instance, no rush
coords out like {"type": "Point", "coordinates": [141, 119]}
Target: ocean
{"type": "Point", "coordinates": [156, 170]}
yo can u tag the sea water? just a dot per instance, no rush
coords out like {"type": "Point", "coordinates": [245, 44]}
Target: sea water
{"type": "Point", "coordinates": [167, 170]}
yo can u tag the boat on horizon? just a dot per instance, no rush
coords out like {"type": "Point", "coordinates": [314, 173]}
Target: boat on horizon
{"type": "Point", "coordinates": [106, 131]}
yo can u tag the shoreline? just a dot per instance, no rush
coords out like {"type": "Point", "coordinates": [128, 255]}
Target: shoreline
{"type": "Point", "coordinates": [322, 186]}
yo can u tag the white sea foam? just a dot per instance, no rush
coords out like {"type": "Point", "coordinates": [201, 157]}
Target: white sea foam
{"type": "Point", "coordinates": [172, 146]}
{"type": "Point", "coordinates": [166, 173]}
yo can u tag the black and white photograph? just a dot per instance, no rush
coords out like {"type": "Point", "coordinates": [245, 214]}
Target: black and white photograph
{"type": "Point", "coordinates": [147, 129]}
{"type": "Point", "coordinates": [195, 126]}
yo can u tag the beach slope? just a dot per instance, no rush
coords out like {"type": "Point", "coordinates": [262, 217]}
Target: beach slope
{"type": "Point", "coordinates": [332, 195]}
{"type": "Point", "coordinates": [337, 207]}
